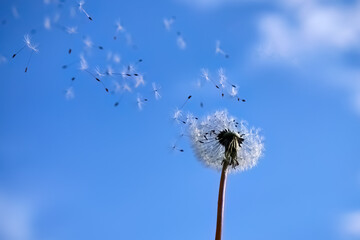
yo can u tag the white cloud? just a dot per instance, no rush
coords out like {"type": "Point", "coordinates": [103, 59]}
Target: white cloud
{"type": "Point", "coordinates": [308, 27]}
{"type": "Point", "coordinates": [350, 224]}
{"type": "Point", "coordinates": [316, 36]}
{"type": "Point", "coordinates": [16, 219]}
{"type": "Point", "coordinates": [211, 4]}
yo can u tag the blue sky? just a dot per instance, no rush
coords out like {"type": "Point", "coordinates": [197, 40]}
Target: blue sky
{"type": "Point", "coordinates": [77, 167]}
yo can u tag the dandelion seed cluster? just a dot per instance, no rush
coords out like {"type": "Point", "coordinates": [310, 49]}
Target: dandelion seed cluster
{"type": "Point", "coordinates": [206, 137]}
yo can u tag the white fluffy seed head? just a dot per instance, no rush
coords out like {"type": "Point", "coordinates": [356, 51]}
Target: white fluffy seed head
{"type": "Point", "coordinates": [204, 139]}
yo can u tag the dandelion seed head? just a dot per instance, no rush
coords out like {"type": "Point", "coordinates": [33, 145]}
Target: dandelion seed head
{"type": "Point", "coordinates": [220, 138]}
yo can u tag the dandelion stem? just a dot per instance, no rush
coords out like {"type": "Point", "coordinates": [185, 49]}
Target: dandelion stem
{"type": "Point", "coordinates": [221, 201]}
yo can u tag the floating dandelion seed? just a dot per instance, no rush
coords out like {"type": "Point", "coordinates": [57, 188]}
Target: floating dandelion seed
{"type": "Point", "coordinates": [65, 66]}
{"type": "Point", "coordinates": [88, 43]}
{"type": "Point", "coordinates": [234, 93]}
{"type": "Point", "coordinates": [83, 63]}
{"type": "Point", "coordinates": [47, 23]}
{"type": "Point", "coordinates": [178, 116]}
{"type": "Point", "coordinates": [141, 101]}
{"type": "Point", "coordinates": [84, 67]}
{"type": "Point", "coordinates": [3, 59]}
{"type": "Point", "coordinates": [126, 87]}
{"type": "Point", "coordinates": [168, 22]}
{"type": "Point", "coordinates": [69, 93]}
{"type": "Point", "coordinates": [181, 42]}
{"type": "Point", "coordinates": [218, 50]}
{"type": "Point", "coordinates": [205, 74]}
{"type": "Point", "coordinates": [156, 91]}
{"type": "Point", "coordinates": [119, 29]}
{"type": "Point", "coordinates": [71, 30]}
{"type": "Point", "coordinates": [219, 141]}
{"type": "Point", "coordinates": [188, 98]}
{"type": "Point", "coordinates": [139, 80]}
{"type": "Point", "coordinates": [28, 44]}
{"type": "Point", "coordinates": [27, 40]}
{"type": "Point", "coordinates": [81, 9]}
{"type": "Point", "coordinates": [116, 58]}
{"type": "Point", "coordinates": [15, 12]}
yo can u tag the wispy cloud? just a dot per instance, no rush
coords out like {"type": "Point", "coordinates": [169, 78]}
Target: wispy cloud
{"type": "Point", "coordinates": [350, 224]}
{"type": "Point", "coordinates": [211, 4]}
{"type": "Point", "coordinates": [310, 27]}
{"type": "Point", "coordinates": [317, 36]}
{"type": "Point", "coordinates": [16, 219]}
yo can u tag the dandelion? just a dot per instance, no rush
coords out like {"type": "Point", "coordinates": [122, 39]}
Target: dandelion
{"type": "Point", "coordinates": [156, 91]}
{"type": "Point", "coordinates": [81, 9]}
{"type": "Point", "coordinates": [222, 143]}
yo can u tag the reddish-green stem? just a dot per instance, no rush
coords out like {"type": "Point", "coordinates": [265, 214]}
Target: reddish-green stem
{"type": "Point", "coordinates": [221, 201]}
